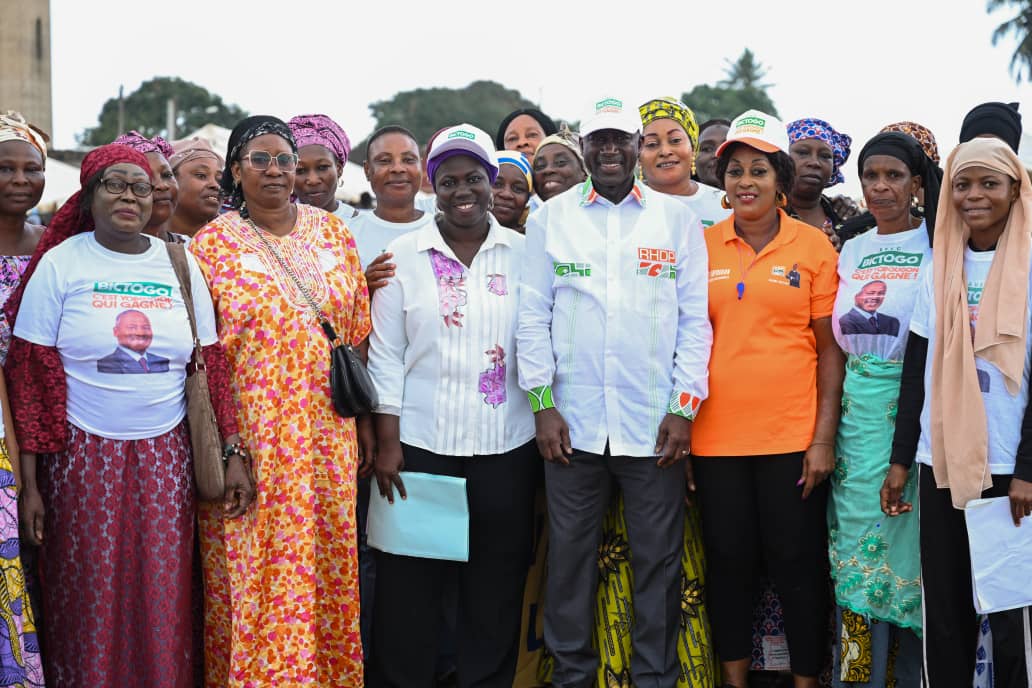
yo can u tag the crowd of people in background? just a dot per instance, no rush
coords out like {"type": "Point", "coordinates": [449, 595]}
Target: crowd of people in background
{"type": "Point", "coordinates": [697, 402]}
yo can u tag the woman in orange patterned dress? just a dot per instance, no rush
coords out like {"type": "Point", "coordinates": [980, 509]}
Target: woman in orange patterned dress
{"type": "Point", "coordinates": [281, 583]}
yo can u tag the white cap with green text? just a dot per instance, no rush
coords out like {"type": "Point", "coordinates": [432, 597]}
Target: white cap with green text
{"type": "Point", "coordinates": [611, 113]}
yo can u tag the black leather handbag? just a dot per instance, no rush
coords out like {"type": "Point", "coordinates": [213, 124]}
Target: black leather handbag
{"type": "Point", "coordinates": [351, 387]}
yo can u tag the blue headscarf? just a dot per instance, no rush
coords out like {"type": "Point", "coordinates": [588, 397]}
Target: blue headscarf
{"type": "Point", "coordinates": [812, 128]}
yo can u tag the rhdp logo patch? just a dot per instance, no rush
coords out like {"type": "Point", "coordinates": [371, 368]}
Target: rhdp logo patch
{"type": "Point", "coordinates": [657, 262]}
{"type": "Point", "coordinates": [572, 269]}
{"type": "Point", "coordinates": [609, 105]}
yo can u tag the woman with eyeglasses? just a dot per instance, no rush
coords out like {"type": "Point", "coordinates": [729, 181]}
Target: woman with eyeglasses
{"type": "Point", "coordinates": [281, 584]}
{"type": "Point", "coordinates": [96, 374]}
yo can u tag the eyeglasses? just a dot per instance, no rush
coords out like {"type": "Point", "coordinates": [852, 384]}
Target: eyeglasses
{"type": "Point", "coordinates": [118, 186]}
{"type": "Point", "coordinates": [260, 160]}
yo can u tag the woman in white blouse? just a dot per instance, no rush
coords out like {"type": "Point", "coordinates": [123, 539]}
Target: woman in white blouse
{"type": "Point", "coordinates": [442, 355]}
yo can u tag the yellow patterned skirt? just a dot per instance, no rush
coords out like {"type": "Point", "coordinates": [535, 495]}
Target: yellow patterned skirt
{"type": "Point", "coordinates": [614, 610]}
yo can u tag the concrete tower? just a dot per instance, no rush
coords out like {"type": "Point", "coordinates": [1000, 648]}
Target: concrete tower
{"type": "Point", "coordinates": [25, 60]}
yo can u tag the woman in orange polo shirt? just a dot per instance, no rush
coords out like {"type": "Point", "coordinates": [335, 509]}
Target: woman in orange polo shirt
{"type": "Point", "coordinates": [763, 443]}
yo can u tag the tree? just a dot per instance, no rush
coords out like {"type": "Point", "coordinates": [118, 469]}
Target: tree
{"type": "Point", "coordinates": [1020, 26]}
{"type": "Point", "coordinates": [741, 90]}
{"type": "Point", "coordinates": [425, 110]}
{"type": "Point", "coordinates": [146, 111]}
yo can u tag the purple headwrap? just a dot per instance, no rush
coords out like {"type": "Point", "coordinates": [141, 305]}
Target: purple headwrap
{"type": "Point", "coordinates": [141, 144]}
{"type": "Point", "coordinates": [812, 128]}
{"type": "Point", "coordinates": [323, 131]}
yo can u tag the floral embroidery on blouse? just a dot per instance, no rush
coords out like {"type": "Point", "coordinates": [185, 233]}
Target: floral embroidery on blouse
{"type": "Point", "coordinates": [492, 380]}
{"type": "Point", "coordinates": [451, 287]}
{"type": "Point", "coordinates": [11, 270]}
{"type": "Point", "coordinates": [497, 285]}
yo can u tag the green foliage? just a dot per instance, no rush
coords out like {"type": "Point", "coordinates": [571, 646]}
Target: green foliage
{"type": "Point", "coordinates": [741, 90]}
{"type": "Point", "coordinates": [425, 110]}
{"type": "Point", "coordinates": [146, 107]}
{"type": "Point", "coordinates": [1020, 27]}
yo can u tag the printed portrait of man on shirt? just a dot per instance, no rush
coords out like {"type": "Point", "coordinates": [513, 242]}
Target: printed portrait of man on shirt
{"type": "Point", "coordinates": [134, 334]}
{"type": "Point", "coordinates": [864, 318]}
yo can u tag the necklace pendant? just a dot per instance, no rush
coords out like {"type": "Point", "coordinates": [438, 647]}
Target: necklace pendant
{"type": "Point", "coordinates": [741, 290]}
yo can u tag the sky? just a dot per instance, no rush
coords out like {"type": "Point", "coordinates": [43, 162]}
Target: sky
{"type": "Point", "coordinates": [859, 64]}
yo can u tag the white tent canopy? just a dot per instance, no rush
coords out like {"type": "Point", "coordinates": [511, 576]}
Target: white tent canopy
{"type": "Point", "coordinates": [62, 180]}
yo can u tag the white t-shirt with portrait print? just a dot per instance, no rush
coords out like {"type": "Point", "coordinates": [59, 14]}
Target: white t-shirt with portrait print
{"type": "Point", "coordinates": [887, 267]}
{"type": "Point", "coordinates": [1003, 411]}
{"type": "Point", "coordinates": [119, 323]}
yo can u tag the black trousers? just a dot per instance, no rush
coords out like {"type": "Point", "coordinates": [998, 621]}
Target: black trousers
{"type": "Point", "coordinates": [751, 505]}
{"type": "Point", "coordinates": [407, 610]}
{"type": "Point", "coordinates": [950, 620]}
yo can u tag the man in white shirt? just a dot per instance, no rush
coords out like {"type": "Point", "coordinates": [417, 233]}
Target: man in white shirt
{"type": "Point", "coordinates": [613, 346]}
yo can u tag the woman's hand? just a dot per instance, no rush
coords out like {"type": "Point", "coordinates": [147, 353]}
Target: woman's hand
{"type": "Point", "coordinates": [240, 489]}
{"type": "Point", "coordinates": [892, 503]}
{"type": "Point", "coordinates": [388, 466]}
{"type": "Point", "coordinates": [379, 271]}
{"type": "Point", "coordinates": [366, 444]}
{"type": "Point", "coordinates": [30, 513]}
{"type": "Point", "coordinates": [818, 463]}
{"type": "Point", "coordinates": [1020, 494]}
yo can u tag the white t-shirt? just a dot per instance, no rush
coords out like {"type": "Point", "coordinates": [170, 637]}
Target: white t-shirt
{"type": "Point", "coordinates": [706, 204]}
{"type": "Point", "coordinates": [119, 323]}
{"type": "Point", "coordinates": [373, 234]}
{"type": "Point", "coordinates": [1003, 412]}
{"type": "Point", "coordinates": [882, 272]}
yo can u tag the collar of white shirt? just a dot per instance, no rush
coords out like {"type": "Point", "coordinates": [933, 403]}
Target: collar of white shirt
{"type": "Point", "coordinates": [589, 195]}
{"type": "Point", "coordinates": [429, 237]}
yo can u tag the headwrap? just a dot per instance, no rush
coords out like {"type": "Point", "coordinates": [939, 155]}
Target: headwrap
{"type": "Point", "coordinates": [245, 131]}
{"type": "Point", "coordinates": [671, 108]}
{"type": "Point", "coordinates": [519, 161]}
{"type": "Point", "coordinates": [321, 130]}
{"type": "Point", "coordinates": [546, 122]}
{"type": "Point", "coordinates": [997, 119]}
{"type": "Point", "coordinates": [142, 144]}
{"type": "Point", "coordinates": [13, 127]}
{"type": "Point", "coordinates": [813, 128]}
{"type": "Point", "coordinates": [921, 134]}
{"type": "Point", "coordinates": [907, 150]}
{"type": "Point", "coordinates": [72, 218]}
{"type": "Point", "coordinates": [958, 422]}
{"type": "Point", "coordinates": [565, 137]}
{"type": "Point", "coordinates": [186, 150]}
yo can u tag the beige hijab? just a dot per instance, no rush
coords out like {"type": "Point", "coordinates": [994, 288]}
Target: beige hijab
{"type": "Point", "coordinates": [960, 441]}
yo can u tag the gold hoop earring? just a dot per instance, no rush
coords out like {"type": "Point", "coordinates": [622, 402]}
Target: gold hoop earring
{"type": "Point", "coordinates": [725, 203]}
{"type": "Point", "coordinates": [780, 199]}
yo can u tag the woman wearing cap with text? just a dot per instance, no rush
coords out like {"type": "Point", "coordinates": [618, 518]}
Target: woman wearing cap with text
{"type": "Point", "coordinates": [442, 356]}
{"type": "Point", "coordinates": [763, 442]}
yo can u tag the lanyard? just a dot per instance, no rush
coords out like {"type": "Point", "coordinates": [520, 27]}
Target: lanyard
{"type": "Point", "coordinates": [742, 270]}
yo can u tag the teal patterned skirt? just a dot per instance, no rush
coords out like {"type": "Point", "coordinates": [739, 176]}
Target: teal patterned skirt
{"type": "Point", "coordinates": [875, 560]}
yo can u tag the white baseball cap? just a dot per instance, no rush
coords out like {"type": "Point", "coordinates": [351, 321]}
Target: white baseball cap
{"type": "Point", "coordinates": [465, 138]}
{"type": "Point", "coordinates": [757, 129]}
{"type": "Point", "coordinates": [611, 113]}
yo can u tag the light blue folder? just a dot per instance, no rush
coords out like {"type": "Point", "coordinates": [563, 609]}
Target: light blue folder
{"type": "Point", "coordinates": [433, 523]}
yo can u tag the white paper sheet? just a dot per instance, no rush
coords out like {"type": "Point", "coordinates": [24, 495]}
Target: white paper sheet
{"type": "Point", "coordinates": [1001, 556]}
{"type": "Point", "coordinates": [432, 523]}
